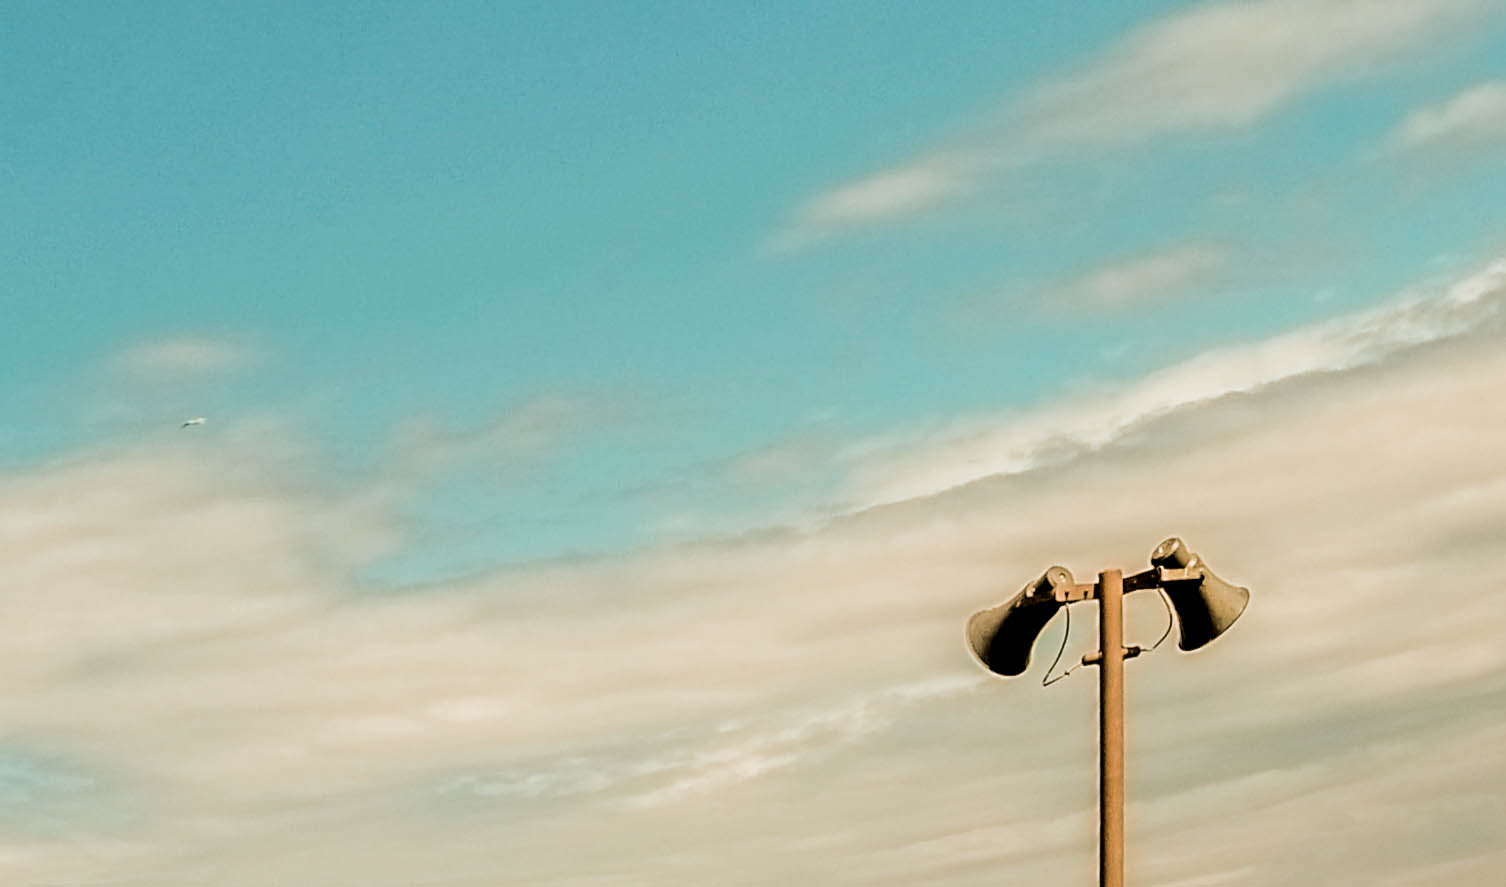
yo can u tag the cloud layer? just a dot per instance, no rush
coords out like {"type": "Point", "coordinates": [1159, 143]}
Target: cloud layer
{"type": "Point", "coordinates": [184, 637]}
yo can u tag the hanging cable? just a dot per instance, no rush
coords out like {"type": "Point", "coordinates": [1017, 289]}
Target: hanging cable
{"type": "Point", "coordinates": [1046, 679]}
{"type": "Point", "coordinates": [1167, 604]}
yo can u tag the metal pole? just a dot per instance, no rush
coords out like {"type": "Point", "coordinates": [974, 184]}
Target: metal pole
{"type": "Point", "coordinates": [1111, 729]}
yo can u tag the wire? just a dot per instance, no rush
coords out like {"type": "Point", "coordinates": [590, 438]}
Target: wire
{"type": "Point", "coordinates": [1167, 604]}
{"type": "Point", "coordinates": [1046, 679]}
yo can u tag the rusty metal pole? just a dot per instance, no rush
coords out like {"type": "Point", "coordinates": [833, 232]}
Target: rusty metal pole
{"type": "Point", "coordinates": [1111, 729]}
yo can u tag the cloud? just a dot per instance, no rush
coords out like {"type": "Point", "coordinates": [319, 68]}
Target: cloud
{"type": "Point", "coordinates": [817, 733]}
{"type": "Point", "coordinates": [808, 477]}
{"type": "Point", "coordinates": [920, 463]}
{"type": "Point", "coordinates": [1473, 119]}
{"type": "Point", "coordinates": [1213, 67]}
{"type": "Point", "coordinates": [799, 706]}
{"type": "Point", "coordinates": [1218, 66]}
{"type": "Point", "coordinates": [517, 438]}
{"type": "Point", "coordinates": [184, 359]}
{"type": "Point", "coordinates": [684, 763]}
{"type": "Point", "coordinates": [910, 188]}
{"type": "Point", "coordinates": [1136, 280]}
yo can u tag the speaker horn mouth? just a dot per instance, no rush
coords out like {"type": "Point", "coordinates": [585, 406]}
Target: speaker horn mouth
{"type": "Point", "coordinates": [1171, 553]}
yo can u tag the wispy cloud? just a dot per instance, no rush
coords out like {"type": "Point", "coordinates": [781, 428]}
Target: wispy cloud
{"type": "Point", "coordinates": [680, 764]}
{"type": "Point", "coordinates": [1214, 67]}
{"type": "Point", "coordinates": [811, 734]}
{"type": "Point", "coordinates": [517, 438]}
{"type": "Point", "coordinates": [1472, 120]}
{"type": "Point", "coordinates": [811, 477]}
{"type": "Point", "coordinates": [907, 466]}
{"type": "Point", "coordinates": [184, 359]}
{"type": "Point", "coordinates": [909, 188]}
{"type": "Point", "coordinates": [829, 474]}
{"type": "Point", "coordinates": [1136, 280]}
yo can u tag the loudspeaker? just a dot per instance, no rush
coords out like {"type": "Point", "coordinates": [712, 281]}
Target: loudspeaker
{"type": "Point", "coordinates": [1206, 605]}
{"type": "Point", "coordinates": [1001, 637]}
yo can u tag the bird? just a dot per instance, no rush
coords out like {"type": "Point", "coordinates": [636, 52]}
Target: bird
{"type": "Point", "coordinates": [198, 421]}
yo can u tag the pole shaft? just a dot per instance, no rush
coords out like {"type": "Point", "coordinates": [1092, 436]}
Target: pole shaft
{"type": "Point", "coordinates": [1111, 729]}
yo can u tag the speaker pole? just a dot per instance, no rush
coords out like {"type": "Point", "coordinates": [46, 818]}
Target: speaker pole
{"type": "Point", "coordinates": [1001, 638]}
{"type": "Point", "coordinates": [1111, 728]}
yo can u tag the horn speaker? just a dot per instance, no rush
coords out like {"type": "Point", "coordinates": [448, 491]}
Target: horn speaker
{"type": "Point", "coordinates": [1001, 637]}
{"type": "Point", "coordinates": [1206, 605]}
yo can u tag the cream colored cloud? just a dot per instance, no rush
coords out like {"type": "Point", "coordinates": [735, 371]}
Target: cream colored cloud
{"type": "Point", "coordinates": [901, 190]}
{"type": "Point", "coordinates": [1473, 119]}
{"type": "Point", "coordinates": [795, 706]}
{"type": "Point", "coordinates": [1135, 280]}
{"type": "Point", "coordinates": [1210, 67]}
{"type": "Point", "coordinates": [1226, 65]}
{"type": "Point", "coordinates": [910, 464]}
{"type": "Point", "coordinates": [182, 359]}
{"type": "Point", "coordinates": [516, 441]}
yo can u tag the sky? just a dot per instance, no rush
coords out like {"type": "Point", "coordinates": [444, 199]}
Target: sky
{"type": "Point", "coordinates": [614, 412]}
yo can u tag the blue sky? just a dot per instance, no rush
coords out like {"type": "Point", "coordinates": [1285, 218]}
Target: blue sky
{"type": "Point", "coordinates": [695, 370]}
{"type": "Point", "coordinates": [442, 215]}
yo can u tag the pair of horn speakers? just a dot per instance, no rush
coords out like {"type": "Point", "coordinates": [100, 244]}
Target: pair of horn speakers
{"type": "Point", "coordinates": [1002, 637]}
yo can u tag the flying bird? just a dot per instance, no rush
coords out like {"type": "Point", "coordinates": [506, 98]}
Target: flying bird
{"type": "Point", "coordinates": [199, 421]}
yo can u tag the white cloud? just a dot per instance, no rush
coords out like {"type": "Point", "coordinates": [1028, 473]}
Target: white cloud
{"type": "Point", "coordinates": [512, 442]}
{"type": "Point", "coordinates": [917, 465]}
{"type": "Point", "coordinates": [1142, 278]}
{"type": "Point", "coordinates": [754, 753]}
{"type": "Point", "coordinates": [799, 707]}
{"type": "Point", "coordinates": [1212, 67]}
{"type": "Point", "coordinates": [1227, 65]}
{"type": "Point", "coordinates": [184, 359]}
{"type": "Point", "coordinates": [902, 190]}
{"type": "Point", "coordinates": [1475, 118]}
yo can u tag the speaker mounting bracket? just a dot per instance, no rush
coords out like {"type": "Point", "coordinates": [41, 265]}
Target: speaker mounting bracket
{"type": "Point", "coordinates": [1147, 580]}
